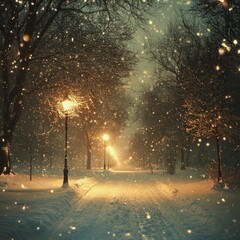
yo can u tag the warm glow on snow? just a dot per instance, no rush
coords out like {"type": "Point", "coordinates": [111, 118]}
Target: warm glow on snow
{"type": "Point", "coordinates": [122, 204]}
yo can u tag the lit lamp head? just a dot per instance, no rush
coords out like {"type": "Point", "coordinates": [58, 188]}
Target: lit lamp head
{"type": "Point", "coordinates": [68, 105]}
{"type": "Point", "coordinates": [105, 137]}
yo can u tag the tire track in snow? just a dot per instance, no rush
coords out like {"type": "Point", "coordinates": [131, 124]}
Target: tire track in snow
{"type": "Point", "coordinates": [190, 219]}
{"type": "Point", "coordinates": [152, 224]}
{"type": "Point", "coordinates": [174, 226]}
{"type": "Point", "coordinates": [91, 217]}
{"type": "Point", "coordinates": [68, 226]}
{"type": "Point", "coordinates": [126, 209]}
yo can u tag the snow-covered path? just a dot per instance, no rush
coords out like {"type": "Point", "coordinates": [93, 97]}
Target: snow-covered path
{"type": "Point", "coordinates": [117, 205]}
{"type": "Point", "coordinates": [131, 206]}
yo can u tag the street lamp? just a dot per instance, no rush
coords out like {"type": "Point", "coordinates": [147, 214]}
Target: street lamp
{"type": "Point", "coordinates": [68, 107]}
{"type": "Point", "coordinates": [105, 138]}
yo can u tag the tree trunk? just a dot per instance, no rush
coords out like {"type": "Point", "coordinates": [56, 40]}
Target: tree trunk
{"type": "Point", "coordinates": [5, 161]}
{"type": "Point", "coordinates": [219, 167]}
{"type": "Point", "coordinates": [188, 158]}
{"type": "Point", "coordinates": [3, 158]}
{"type": "Point", "coordinates": [157, 159]}
{"type": "Point", "coordinates": [51, 154]}
{"type": "Point", "coordinates": [12, 108]}
{"type": "Point", "coordinates": [89, 158]}
{"type": "Point", "coordinates": [171, 164]}
{"type": "Point", "coordinates": [183, 167]}
{"type": "Point", "coordinates": [188, 153]}
{"type": "Point", "coordinates": [13, 95]}
{"type": "Point", "coordinates": [88, 146]}
{"type": "Point", "coordinates": [30, 163]}
{"type": "Point", "coordinates": [200, 154]}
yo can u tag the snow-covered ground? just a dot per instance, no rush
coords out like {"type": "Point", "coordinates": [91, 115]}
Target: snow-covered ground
{"type": "Point", "coordinates": [117, 204]}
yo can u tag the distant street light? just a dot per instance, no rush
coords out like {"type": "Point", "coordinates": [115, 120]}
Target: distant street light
{"type": "Point", "coordinates": [68, 107]}
{"type": "Point", "coordinates": [105, 138]}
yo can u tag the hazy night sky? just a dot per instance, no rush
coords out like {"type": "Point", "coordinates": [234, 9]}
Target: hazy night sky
{"type": "Point", "coordinates": [142, 76]}
{"type": "Point", "coordinates": [154, 29]}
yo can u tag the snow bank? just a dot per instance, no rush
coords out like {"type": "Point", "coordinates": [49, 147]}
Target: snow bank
{"type": "Point", "coordinates": [218, 209]}
{"type": "Point", "coordinates": [127, 203]}
{"type": "Point", "coordinates": [32, 206]}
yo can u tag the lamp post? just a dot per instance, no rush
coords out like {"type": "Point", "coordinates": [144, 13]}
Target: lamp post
{"type": "Point", "coordinates": [68, 106]}
{"type": "Point", "coordinates": [65, 170]}
{"type": "Point", "coordinates": [105, 138]}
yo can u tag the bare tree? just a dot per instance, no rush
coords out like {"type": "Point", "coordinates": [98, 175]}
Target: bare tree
{"type": "Point", "coordinates": [190, 59]}
{"type": "Point", "coordinates": [24, 25]}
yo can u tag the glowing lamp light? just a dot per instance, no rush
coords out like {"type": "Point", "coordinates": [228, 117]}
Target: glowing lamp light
{"type": "Point", "coordinates": [68, 105]}
{"type": "Point", "coordinates": [105, 137]}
